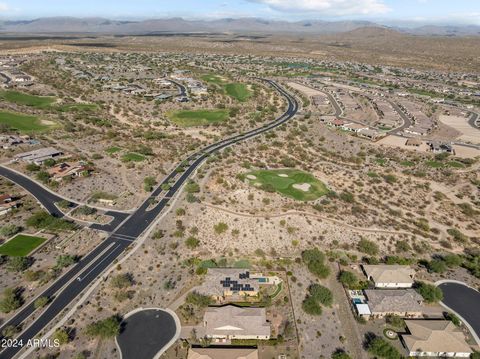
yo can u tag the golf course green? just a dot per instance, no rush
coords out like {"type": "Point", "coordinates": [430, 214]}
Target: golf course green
{"type": "Point", "coordinates": [23, 123]}
{"type": "Point", "coordinates": [190, 118]}
{"type": "Point", "coordinates": [21, 245]}
{"type": "Point", "coordinates": [238, 91]}
{"type": "Point", "coordinates": [291, 183]}
{"type": "Point", "coordinates": [26, 99]}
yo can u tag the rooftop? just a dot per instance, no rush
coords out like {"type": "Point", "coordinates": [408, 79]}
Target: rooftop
{"type": "Point", "coordinates": [394, 300]}
{"type": "Point", "coordinates": [383, 273]}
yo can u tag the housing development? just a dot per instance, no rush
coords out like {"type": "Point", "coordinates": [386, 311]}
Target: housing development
{"type": "Point", "coordinates": [238, 189]}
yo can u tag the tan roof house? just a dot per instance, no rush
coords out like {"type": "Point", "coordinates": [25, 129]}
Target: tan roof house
{"type": "Point", "coordinates": [222, 353]}
{"type": "Point", "coordinates": [231, 322]}
{"type": "Point", "coordinates": [68, 169]}
{"type": "Point", "coordinates": [435, 338]}
{"type": "Point", "coordinates": [390, 276]}
{"type": "Point", "coordinates": [401, 302]}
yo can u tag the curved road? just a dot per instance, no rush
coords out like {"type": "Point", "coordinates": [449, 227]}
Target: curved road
{"type": "Point", "coordinates": [48, 199]}
{"type": "Point", "coordinates": [89, 268]}
{"type": "Point", "coordinates": [474, 121]}
{"type": "Point", "coordinates": [464, 301]}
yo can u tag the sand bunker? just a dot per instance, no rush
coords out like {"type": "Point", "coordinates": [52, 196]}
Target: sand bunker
{"type": "Point", "coordinates": [305, 187]}
{"type": "Point", "coordinates": [282, 175]}
{"type": "Point", "coordinates": [251, 177]}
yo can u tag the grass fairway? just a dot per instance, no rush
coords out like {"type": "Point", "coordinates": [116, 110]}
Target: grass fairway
{"type": "Point", "coordinates": [21, 245]}
{"type": "Point", "coordinates": [238, 91]}
{"type": "Point", "coordinates": [198, 117]}
{"type": "Point", "coordinates": [23, 123]}
{"type": "Point", "coordinates": [26, 99]}
{"type": "Point", "coordinates": [214, 79]}
{"type": "Point", "coordinates": [295, 184]}
{"type": "Point", "coordinates": [77, 107]}
{"type": "Point", "coordinates": [434, 164]}
{"type": "Point", "coordinates": [133, 157]}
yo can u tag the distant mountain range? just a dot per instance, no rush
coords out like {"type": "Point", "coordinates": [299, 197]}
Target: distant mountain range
{"type": "Point", "coordinates": [69, 25]}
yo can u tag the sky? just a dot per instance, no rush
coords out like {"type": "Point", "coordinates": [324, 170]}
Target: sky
{"type": "Point", "coordinates": [383, 11]}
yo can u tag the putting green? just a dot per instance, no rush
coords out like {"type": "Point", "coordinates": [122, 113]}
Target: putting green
{"type": "Point", "coordinates": [198, 117]}
{"type": "Point", "coordinates": [26, 99]}
{"type": "Point", "coordinates": [238, 91]}
{"type": "Point", "coordinates": [292, 183]}
{"type": "Point", "coordinates": [23, 123]}
{"type": "Point", "coordinates": [21, 245]}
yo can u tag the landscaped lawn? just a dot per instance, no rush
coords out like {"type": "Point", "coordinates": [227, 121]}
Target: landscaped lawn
{"type": "Point", "coordinates": [112, 150]}
{"type": "Point", "coordinates": [295, 184]}
{"type": "Point", "coordinates": [238, 91]}
{"type": "Point", "coordinates": [198, 117]}
{"type": "Point", "coordinates": [133, 157]}
{"type": "Point", "coordinates": [23, 123]}
{"type": "Point", "coordinates": [26, 99]}
{"type": "Point", "coordinates": [21, 245]}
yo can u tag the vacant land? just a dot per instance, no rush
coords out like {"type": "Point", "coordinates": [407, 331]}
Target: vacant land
{"type": "Point", "coordinates": [133, 157]}
{"type": "Point", "coordinates": [295, 184]}
{"type": "Point", "coordinates": [26, 99]}
{"type": "Point", "coordinates": [238, 91]}
{"type": "Point", "coordinates": [198, 117]}
{"type": "Point", "coordinates": [23, 123]}
{"type": "Point", "coordinates": [21, 245]}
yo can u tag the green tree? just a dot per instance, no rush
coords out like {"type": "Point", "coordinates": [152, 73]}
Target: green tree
{"type": "Point", "coordinates": [43, 176]}
{"type": "Point", "coordinates": [368, 247]}
{"type": "Point", "coordinates": [121, 281]}
{"type": "Point", "coordinates": [40, 302]}
{"type": "Point", "coordinates": [61, 336]}
{"type": "Point", "coordinates": [10, 301]}
{"type": "Point", "coordinates": [198, 299]}
{"type": "Point", "coordinates": [315, 261]}
{"type": "Point", "coordinates": [311, 306]}
{"type": "Point", "coordinates": [437, 266]}
{"type": "Point", "coordinates": [220, 227]}
{"type": "Point", "coordinates": [9, 230]}
{"type": "Point", "coordinates": [429, 292]}
{"type": "Point", "coordinates": [192, 187]}
{"type": "Point", "coordinates": [9, 331]}
{"type": "Point", "coordinates": [340, 354]}
{"type": "Point", "coordinates": [192, 242]}
{"type": "Point", "coordinates": [18, 264]}
{"type": "Point", "coordinates": [148, 183]}
{"type": "Point", "coordinates": [104, 329]}
{"type": "Point", "coordinates": [348, 279]}
{"type": "Point", "coordinates": [382, 349]}
{"type": "Point", "coordinates": [65, 261]}
{"type": "Point", "coordinates": [321, 294]}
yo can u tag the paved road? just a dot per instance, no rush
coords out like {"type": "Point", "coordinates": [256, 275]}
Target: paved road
{"type": "Point", "coordinates": [182, 89]}
{"type": "Point", "coordinates": [407, 122]}
{"type": "Point", "coordinates": [463, 300]}
{"type": "Point", "coordinates": [89, 268]}
{"type": "Point", "coordinates": [474, 121]}
{"type": "Point", "coordinates": [48, 199]}
{"type": "Point", "coordinates": [146, 333]}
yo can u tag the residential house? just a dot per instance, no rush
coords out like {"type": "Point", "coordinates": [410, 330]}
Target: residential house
{"type": "Point", "coordinates": [229, 283]}
{"type": "Point", "coordinates": [435, 338]}
{"type": "Point", "coordinates": [7, 203]}
{"type": "Point", "coordinates": [390, 276]}
{"type": "Point", "coordinates": [413, 142]}
{"type": "Point", "coordinates": [354, 127]}
{"type": "Point", "coordinates": [68, 169]}
{"type": "Point", "coordinates": [402, 302]}
{"type": "Point", "coordinates": [222, 353]}
{"type": "Point", "coordinates": [231, 322]}
{"type": "Point", "coordinates": [370, 134]}
{"type": "Point", "coordinates": [437, 147]}
{"type": "Point", "coordinates": [38, 156]}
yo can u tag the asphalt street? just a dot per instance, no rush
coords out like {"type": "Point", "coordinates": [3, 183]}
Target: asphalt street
{"type": "Point", "coordinates": [474, 121]}
{"type": "Point", "coordinates": [48, 199]}
{"type": "Point", "coordinates": [145, 333]}
{"type": "Point", "coordinates": [463, 300]}
{"type": "Point", "coordinates": [79, 277]}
